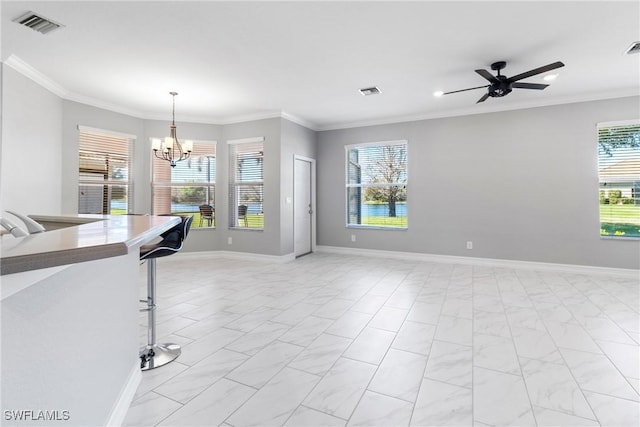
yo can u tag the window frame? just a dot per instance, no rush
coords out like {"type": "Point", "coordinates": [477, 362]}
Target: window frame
{"type": "Point", "coordinates": [348, 148]}
{"type": "Point", "coordinates": [233, 184]}
{"type": "Point", "coordinates": [635, 186]}
{"type": "Point", "coordinates": [107, 184]}
{"type": "Point", "coordinates": [171, 185]}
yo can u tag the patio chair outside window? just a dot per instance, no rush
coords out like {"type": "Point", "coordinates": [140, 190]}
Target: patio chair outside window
{"type": "Point", "coordinates": [206, 214]}
{"type": "Point", "coordinates": [242, 214]}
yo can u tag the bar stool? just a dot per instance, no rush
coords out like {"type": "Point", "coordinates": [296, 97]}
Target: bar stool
{"type": "Point", "coordinates": [154, 355]}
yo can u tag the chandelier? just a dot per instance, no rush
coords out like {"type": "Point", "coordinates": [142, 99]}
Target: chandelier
{"type": "Point", "coordinates": [170, 148]}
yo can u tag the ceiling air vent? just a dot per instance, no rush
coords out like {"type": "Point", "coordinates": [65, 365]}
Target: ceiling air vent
{"type": "Point", "coordinates": [634, 48]}
{"type": "Point", "coordinates": [370, 91]}
{"type": "Point", "coordinates": [37, 23]}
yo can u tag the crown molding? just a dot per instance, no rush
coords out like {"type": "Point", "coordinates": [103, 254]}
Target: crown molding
{"type": "Point", "coordinates": [299, 121]}
{"type": "Point", "coordinates": [41, 79]}
{"type": "Point", "coordinates": [595, 96]}
{"type": "Point", "coordinates": [250, 117]}
{"type": "Point", "coordinates": [28, 71]}
{"type": "Point", "coordinates": [93, 102]}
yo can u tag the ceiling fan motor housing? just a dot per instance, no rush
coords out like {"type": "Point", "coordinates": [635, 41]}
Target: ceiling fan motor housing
{"type": "Point", "coordinates": [500, 88]}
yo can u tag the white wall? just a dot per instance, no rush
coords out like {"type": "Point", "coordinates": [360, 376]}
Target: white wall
{"type": "Point", "coordinates": [522, 185]}
{"type": "Point", "coordinates": [31, 147]}
{"type": "Point", "coordinates": [70, 342]}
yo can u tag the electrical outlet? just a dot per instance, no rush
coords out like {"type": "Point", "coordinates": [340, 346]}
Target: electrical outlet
{"type": "Point", "coordinates": [469, 244]}
{"type": "Point", "coordinates": [353, 237]}
{"type": "Point", "coordinates": [229, 240]}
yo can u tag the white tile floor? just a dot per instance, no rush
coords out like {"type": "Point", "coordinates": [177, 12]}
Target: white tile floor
{"type": "Point", "coordinates": [347, 340]}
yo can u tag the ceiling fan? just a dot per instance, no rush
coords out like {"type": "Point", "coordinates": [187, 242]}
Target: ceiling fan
{"type": "Point", "coordinates": [502, 85]}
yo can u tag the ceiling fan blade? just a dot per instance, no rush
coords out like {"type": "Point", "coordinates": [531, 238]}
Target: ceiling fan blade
{"type": "Point", "coordinates": [535, 71]}
{"type": "Point", "coordinates": [487, 75]}
{"type": "Point", "coordinates": [464, 90]}
{"type": "Point", "coordinates": [536, 86]}
{"type": "Point", "coordinates": [484, 98]}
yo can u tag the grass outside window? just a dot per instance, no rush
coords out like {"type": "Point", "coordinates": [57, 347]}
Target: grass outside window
{"type": "Point", "coordinates": [620, 220]}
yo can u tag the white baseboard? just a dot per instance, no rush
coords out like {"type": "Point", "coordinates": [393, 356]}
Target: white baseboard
{"type": "Point", "coordinates": [239, 255]}
{"type": "Point", "coordinates": [489, 262]}
{"type": "Point", "coordinates": [126, 396]}
{"type": "Point", "coordinates": [417, 256]}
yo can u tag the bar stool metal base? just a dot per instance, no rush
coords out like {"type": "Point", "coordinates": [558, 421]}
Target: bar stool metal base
{"type": "Point", "coordinates": [154, 355]}
{"type": "Point", "coordinates": [158, 355]}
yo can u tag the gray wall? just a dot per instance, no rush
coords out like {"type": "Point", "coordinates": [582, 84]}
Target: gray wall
{"type": "Point", "coordinates": [300, 141]}
{"type": "Point", "coordinates": [265, 241]}
{"type": "Point", "coordinates": [31, 147]}
{"type": "Point", "coordinates": [522, 185]}
{"type": "Point", "coordinates": [273, 240]}
{"type": "Point", "coordinates": [76, 114]}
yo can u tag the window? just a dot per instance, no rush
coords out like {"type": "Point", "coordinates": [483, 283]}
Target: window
{"type": "Point", "coordinates": [104, 172]}
{"type": "Point", "coordinates": [246, 183]}
{"type": "Point", "coordinates": [619, 173]}
{"type": "Point", "coordinates": [377, 185]}
{"type": "Point", "coordinates": [189, 188]}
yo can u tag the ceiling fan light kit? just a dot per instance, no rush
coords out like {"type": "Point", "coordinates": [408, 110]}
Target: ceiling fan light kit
{"type": "Point", "coordinates": [500, 85]}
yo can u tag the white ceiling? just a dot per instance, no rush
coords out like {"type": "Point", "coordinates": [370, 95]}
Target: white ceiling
{"type": "Point", "coordinates": [232, 61]}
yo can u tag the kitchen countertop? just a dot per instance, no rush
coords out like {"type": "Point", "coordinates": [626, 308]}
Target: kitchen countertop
{"type": "Point", "coordinates": [84, 238]}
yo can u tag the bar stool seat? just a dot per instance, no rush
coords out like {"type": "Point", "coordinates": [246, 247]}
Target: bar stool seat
{"type": "Point", "coordinates": [154, 355]}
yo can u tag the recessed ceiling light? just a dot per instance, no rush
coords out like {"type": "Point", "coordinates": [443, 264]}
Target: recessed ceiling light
{"type": "Point", "coordinates": [550, 77]}
{"type": "Point", "coordinates": [370, 91]}
{"type": "Point", "coordinates": [438, 93]}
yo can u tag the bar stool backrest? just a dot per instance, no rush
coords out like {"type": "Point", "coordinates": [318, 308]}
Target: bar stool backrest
{"type": "Point", "coordinates": [171, 242]}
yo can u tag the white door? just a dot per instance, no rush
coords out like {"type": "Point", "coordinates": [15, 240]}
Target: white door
{"type": "Point", "coordinates": [303, 207]}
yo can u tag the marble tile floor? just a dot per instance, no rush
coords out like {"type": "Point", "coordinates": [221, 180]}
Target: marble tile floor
{"type": "Point", "coordinates": [334, 340]}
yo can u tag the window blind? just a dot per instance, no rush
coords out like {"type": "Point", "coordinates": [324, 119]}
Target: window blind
{"type": "Point", "coordinates": [189, 185]}
{"type": "Point", "coordinates": [619, 176]}
{"type": "Point", "coordinates": [246, 185]}
{"type": "Point", "coordinates": [104, 170]}
{"type": "Point", "coordinates": [376, 185]}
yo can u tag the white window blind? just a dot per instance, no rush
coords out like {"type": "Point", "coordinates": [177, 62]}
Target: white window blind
{"type": "Point", "coordinates": [246, 184]}
{"type": "Point", "coordinates": [104, 172]}
{"type": "Point", "coordinates": [376, 185]}
{"type": "Point", "coordinates": [189, 187]}
{"type": "Point", "coordinates": [619, 176]}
